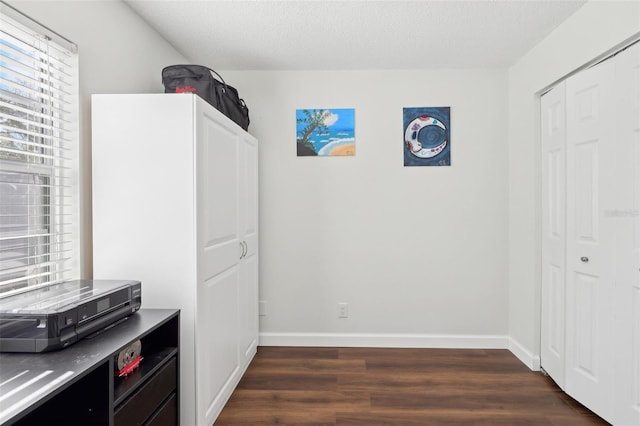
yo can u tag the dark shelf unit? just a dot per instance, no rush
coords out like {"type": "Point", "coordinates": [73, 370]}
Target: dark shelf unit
{"type": "Point", "coordinates": [81, 388]}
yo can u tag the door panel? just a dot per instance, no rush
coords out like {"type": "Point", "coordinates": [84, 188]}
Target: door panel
{"type": "Point", "coordinates": [217, 344]}
{"type": "Point", "coordinates": [632, 411]}
{"type": "Point", "coordinates": [217, 186]}
{"type": "Point", "coordinates": [626, 215]}
{"type": "Point", "coordinates": [249, 193]}
{"type": "Point", "coordinates": [553, 138]}
{"type": "Point", "coordinates": [556, 332]}
{"type": "Point", "coordinates": [218, 249]}
{"type": "Point", "coordinates": [248, 308]}
{"type": "Point", "coordinates": [585, 191]}
{"type": "Point", "coordinates": [586, 325]}
{"type": "Point", "coordinates": [248, 199]}
{"type": "Point", "coordinates": [590, 243]}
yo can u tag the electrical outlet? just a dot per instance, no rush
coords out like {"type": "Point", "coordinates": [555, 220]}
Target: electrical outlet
{"type": "Point", "coordinates": [343, 310]}
{"type": "Point", "coordinates": [262, 308]}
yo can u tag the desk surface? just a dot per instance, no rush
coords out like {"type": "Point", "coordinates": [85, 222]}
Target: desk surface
{"type": "Point", "coordinates": [28, 379]}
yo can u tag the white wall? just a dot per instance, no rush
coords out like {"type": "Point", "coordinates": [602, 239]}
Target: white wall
{"type": "Point", "coordinates": [118, 53]}
{"type": "Point", "coordinates": [593, 30]}
{"type": "Point", "coordinates": [413, 250]}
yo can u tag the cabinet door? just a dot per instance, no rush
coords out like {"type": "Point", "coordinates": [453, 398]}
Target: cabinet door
{"type": "Point", "coordinates": [218, 256]}
{"type": "Point", "coordinates": [553, 136]}
{"type": "Point", "coordinates": [248, 229]}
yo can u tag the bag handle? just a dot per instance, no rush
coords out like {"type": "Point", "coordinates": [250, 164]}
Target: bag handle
{"type": "Point", "coordinates": [224, 83]}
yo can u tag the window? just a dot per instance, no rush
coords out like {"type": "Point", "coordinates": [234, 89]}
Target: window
{"type": "Point", "coordinates": [38, 154]}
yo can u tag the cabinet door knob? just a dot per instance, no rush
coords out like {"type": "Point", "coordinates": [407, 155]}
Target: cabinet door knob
{"type": "Point", "coordinates": [584, 259]}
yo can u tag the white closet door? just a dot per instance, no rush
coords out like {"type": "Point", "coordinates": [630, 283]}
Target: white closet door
{"type": "Point", "coordinates": [590, 240]}
{"type": "Point", "coordinates": [552, 352]}
{"type": "Point", "coordinates": [627, 218]}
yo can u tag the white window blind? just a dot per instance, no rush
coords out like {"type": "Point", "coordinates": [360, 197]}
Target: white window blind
{"type": "Point", "coordinates": [38, 155]}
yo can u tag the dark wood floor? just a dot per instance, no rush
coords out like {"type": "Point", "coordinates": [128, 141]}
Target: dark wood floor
{"type": "Point", "coordinates": [365, 386]}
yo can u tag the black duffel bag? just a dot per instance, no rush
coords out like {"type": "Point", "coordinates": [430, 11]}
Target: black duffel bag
{"type": "Point", "coordinates": [199, 79]}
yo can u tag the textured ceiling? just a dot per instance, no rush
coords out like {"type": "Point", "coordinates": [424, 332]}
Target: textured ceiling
{"type": "Point", "coordinates": [355, 34]}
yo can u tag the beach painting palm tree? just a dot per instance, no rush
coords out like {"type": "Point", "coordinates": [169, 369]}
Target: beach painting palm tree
{"type": "Point", "coordinates": [325, 132]}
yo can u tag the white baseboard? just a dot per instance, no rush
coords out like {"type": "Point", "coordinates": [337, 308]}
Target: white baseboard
{"type": "Point", "coordinates": [384, 340]}
{"type": "Point", "coordinates": [530, 360]}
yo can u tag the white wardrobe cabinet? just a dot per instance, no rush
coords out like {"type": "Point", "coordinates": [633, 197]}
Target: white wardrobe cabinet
{"type": "Point", "coordinates": [175, 205]}
{"type": "Point", "coordinates": [590, 331]}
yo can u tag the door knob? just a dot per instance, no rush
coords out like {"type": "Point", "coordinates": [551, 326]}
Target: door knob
{"type": "Point", "coordinates": [584, 259]}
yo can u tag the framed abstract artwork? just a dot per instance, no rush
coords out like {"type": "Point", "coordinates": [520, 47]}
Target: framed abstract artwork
{"type": "Point", "coordinates": [325, 132]}
{"type": "Point", "coordinates": [427, 136]}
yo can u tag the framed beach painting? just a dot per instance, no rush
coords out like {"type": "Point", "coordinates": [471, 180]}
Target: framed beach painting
{"type": "Point", "coordinates": [427, 136]}
{"type": "Point", "coordinates": [325, 132]}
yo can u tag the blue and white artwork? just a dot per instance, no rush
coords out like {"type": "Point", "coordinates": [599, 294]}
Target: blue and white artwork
{"type": "Point", "coordinates": [427, 136]}
{"type": "Point", "coordinates": [325, 132]}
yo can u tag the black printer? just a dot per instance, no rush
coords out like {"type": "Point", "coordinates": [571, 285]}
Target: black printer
{"type": "Point", "coordinates": [56, 315]}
